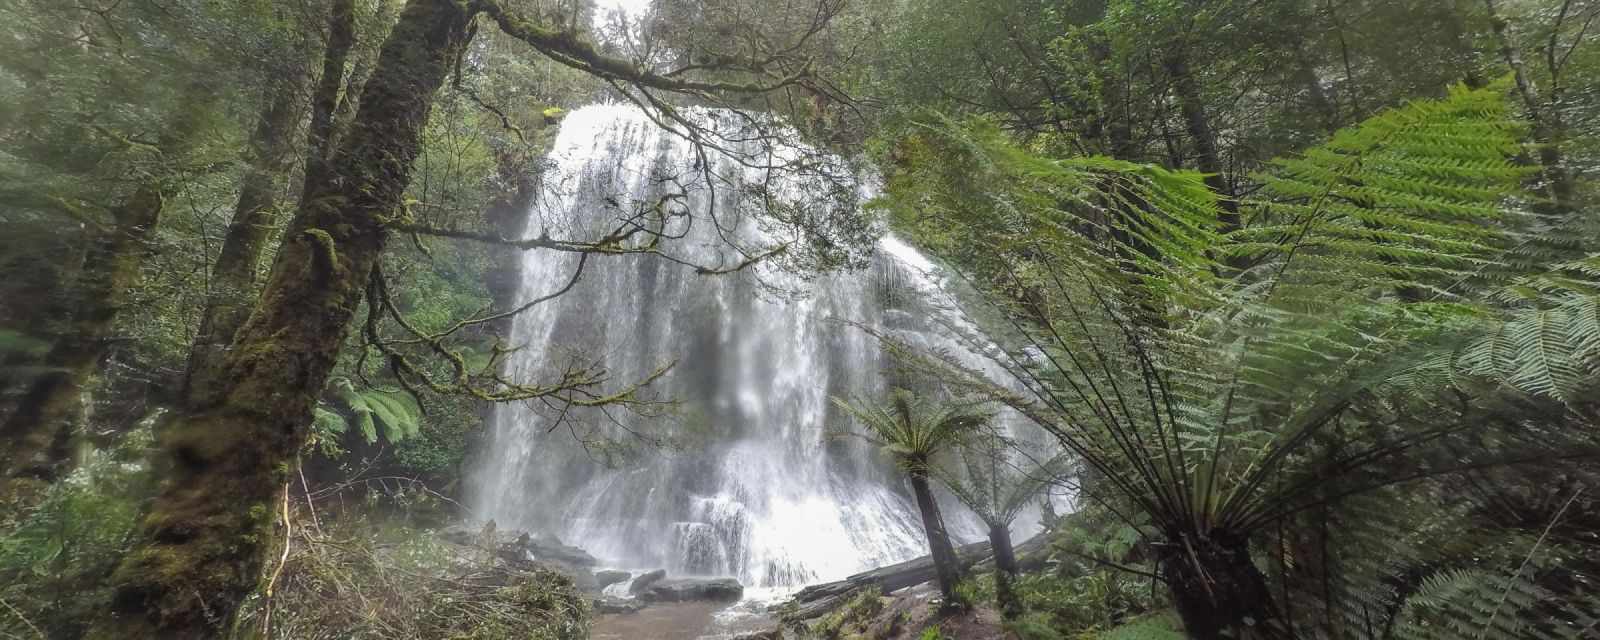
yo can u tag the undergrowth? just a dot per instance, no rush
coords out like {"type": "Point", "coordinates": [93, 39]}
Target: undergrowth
{"type": "Point", "coordinates": [358, 581]}
{"type": "Point", "coordinates": [55, 557]}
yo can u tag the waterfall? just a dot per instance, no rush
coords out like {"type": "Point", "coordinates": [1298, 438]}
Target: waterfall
{"type": "Point", "coordinates": [749, 481]}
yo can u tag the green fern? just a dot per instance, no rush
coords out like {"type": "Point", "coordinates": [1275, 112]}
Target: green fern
{"type": "Point", "coordinates": [912, 430]}
{"type": "Point", "coordinates": [1158, 627]}
{"type": "Point", "coordinates": [393, 416]}
{"type": "Point", "coordinates": [994, 482]}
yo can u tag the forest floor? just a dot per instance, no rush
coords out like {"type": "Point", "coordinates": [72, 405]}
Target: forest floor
{"type": "Point", "coordinates": [904, 615]}
{"type": "Point", "coordinates": [908, 613]}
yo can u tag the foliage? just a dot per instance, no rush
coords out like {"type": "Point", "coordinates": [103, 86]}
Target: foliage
{"type": "Point", "coordinates": [54, 557]}
{"type": "Point", "coordinates": [912, 429]}
{"type": "Point", "coordinates": [370, 410]}
{"type": "Point", "coordinates": [1219, 406]}
{"type": "Point", "coordinates": [850, 619]}
{"type": "Point", "coordinates": [994, 481]}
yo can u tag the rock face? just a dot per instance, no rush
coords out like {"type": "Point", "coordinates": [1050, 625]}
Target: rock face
{"type": "Point", "coordinates": [685, 589]}
{"type": "Point", "coordinates": [609, 577]}
{"type": "Point", "coordinates": [643, 582]}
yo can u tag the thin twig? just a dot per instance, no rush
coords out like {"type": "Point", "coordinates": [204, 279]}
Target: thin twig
{"type": "Point", "coordinates": [23, 618]}
{"type": "Point", "coordinates": [288, 533]}
{"type": "Point", "coordinates": [1531, 552]}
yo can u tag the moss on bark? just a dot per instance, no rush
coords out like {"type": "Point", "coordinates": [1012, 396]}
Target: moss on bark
{"type": "Point", "coordinates": [234, 275]}
{"type": "Point", "coordinates": [201, 547]}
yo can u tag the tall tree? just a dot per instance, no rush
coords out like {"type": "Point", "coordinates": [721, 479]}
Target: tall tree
{"type": "Point", "coordinates": [51, 411]}
{"type": "Point", "coordinates": [269, 157]}
{"type": "Point", "coordinates": [1568, 30]}
{"type": "Point", "coordinates": [230, 452]}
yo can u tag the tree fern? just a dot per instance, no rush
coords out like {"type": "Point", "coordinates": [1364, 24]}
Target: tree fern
{"type": "Point", "coordinates": [1221, 408]}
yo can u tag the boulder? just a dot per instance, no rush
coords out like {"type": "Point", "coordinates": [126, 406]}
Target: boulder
{"type": "Point", "coordinates": [603, 579]}
{"type": "Point", "coordinates": [561, 554]}
{"type": "Point", "coordinates": [643, 582]}
{"type": "Point", "coordinates": [686, 589]}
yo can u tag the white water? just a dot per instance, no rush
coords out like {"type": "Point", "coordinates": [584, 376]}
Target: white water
{"type": "Point", "coordinates": [757, 488]}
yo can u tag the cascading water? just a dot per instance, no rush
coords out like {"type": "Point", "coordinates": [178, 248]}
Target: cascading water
{"type": "Point", "coordinates": [755, 488]}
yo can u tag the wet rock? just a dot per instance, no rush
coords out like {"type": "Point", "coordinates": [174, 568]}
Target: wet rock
{"type": "Point", "coordinates": [603, 579]}
{"type": "Point", "coordinates": [541, 547]}
{"type": "Point", "coordinates": [686, 589]}
{"type": "Point", "coordinates": [769, 634]}
{"type": "Point", "coordinates": [643, 582]}
{"type": "Point", "coordinates": [617, 605]}
{"type": "Point", "coordinates": [562, 554]}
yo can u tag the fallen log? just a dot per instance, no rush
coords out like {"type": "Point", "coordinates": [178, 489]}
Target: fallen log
{"type": "Point", "coordinates": [817, 600]}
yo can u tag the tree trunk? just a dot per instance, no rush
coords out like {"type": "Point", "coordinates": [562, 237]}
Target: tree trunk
{"type": "Point", "coordinates": [1005, 570]}
{"type": "Point", "coordinates": [1113, 121]}
{"type": "Point", "coordinates": [201, 545]}
{"type": "Point", "coordinates": [36, 435]}
{"type": "Point", "coordinates": [323, 132]}
{"type": "Point", "coordinates": [945, 564]}
{"type": "Point", "coordinates": [1305, 73]}
{"type": "Point", "coordinates": [1548, 129]}
{"type": "Point", "coordinates": [1207, 159]}
{"type": "Point", "coordinates": [233, 277]}
{"type": "Point", "coordinates": [1218, 591]}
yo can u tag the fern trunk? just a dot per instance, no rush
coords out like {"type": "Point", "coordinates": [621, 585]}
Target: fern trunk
{"type": "Point", "coordinates": [1005, 570]}
{"type": "Point", "coordinates": [202, 544]}
{"type": "Point", "coordinates": [946, 565]}
{"type": "Point", "coordinates": [1218, 591]}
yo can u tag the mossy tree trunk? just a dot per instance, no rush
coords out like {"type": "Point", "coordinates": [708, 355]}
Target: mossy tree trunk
{"type": "Point", "coordinates": [201, 545]}
{"type": "Point", "coordinates": [946, 565]}
{"type": "Point", "coordinates": [36, 435]}
{"type": "Point", "coordinates": [233, 279]}
{"type": "Point", "coordinates": [322, 134]}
